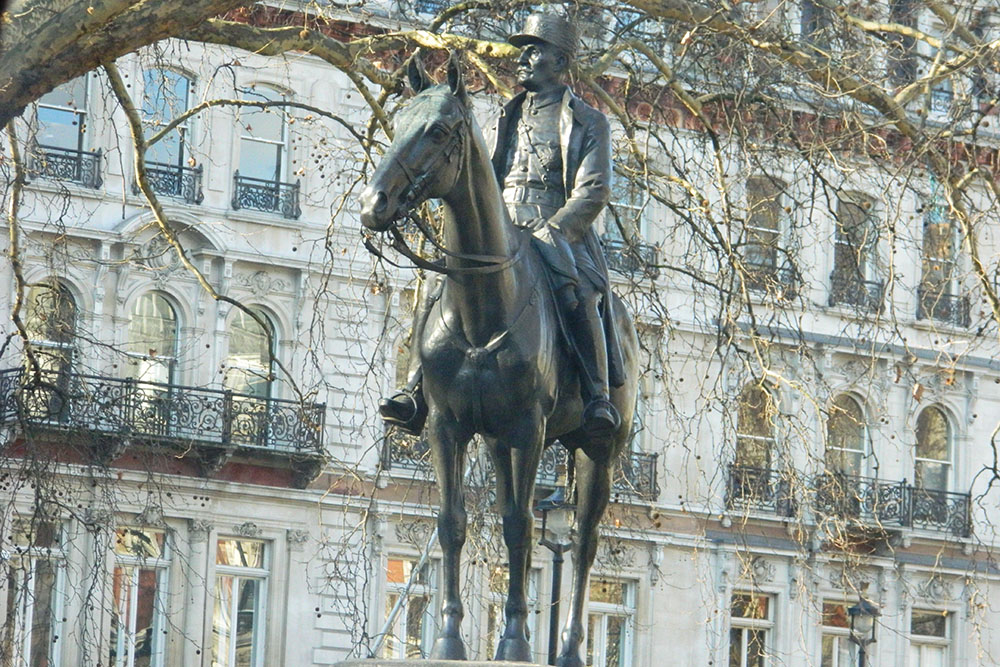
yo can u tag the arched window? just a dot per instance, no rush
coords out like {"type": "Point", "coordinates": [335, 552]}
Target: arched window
{"type": "Point", "coordinates": [249, 366]}
{"type": "Point", "coordinates": [152, 340]}
{"type": "Point", "coordinates": [934, 450]}
{"type": "Point", "coordinates": [755, 427]}
{"type": "Point", "coordinates": [50, 321]}
{"type": "Point", "coordinates": [846, 437]}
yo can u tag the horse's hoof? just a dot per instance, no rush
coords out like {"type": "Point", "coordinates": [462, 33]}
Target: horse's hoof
{"type": "Point", "coordinates": [569, 660]}
{"type": "Point", "coordinates": [514, 650]}
{"type": "Point", "coordinates": [448, 648]}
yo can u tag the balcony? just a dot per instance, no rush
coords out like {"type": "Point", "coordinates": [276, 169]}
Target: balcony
{"type": "Point", "coordinates": [269, 196]}
{"type": "Point", "coordinates": [892, 504]}
{"type": "Point", "coordinates": [173, 180]}
{"type": "Point", "coordinates": [629, 258]}
{"type": "Point", "coordinates": [215, 424]}
{"type": "Point", "coordinates": [938, 305]}
{"type": "Point", "coordinates": [867, 295]}
{"type": "Point", "coordinates": [759, 489]}
{"type": "Point", "coordinates": [780, 281]}
{"type": "Point", "coordinates": [66, 164]}
{"type": "Point", "coordinates": [635, 477]}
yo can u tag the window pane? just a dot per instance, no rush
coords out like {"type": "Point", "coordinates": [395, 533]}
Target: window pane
{"type": "Point", "coordinates": [262, 123]}
{"type": "Point", "coordinates": [166, 95]}
{"type": "Point", "coordinates": [611, 592]}
{"type": "Point", "coordinates": [71, 94]}
{"type": "Point", "coordinates": [152, 330]}
{"type": "Point", "coordinates": [32, 533]}
{"type": "Point", "coordinates": [240, 553]}
{"type": "Point", "coordinates": [416, 610]}
{"type": "Point", "coordinates": [930, 623]}
{"type": "Point", "coordinates": [745, 605]}
{"type": "Point", "coordinates": [835, 615]}
{"type": "Point", "coordinates": [221, 621]}
{"type": "Point", "coordinates": [593, 630]}
{"type": "Point", "coordinates": [259, 159]}
{"type": "Point", "coordinates": [168, 150]}
{"type": "Point", "coordinates": [846, 436]}
{"type": "Point", "coordinates": [59, 128]}
{"type": "Point", "coordinates": [43, 612]}
{"type": "Point", "coordinates": [51, 314]}
{"type": "Point", "coordinates": [736, 647]}
{"type": "Point", "coordinates": [932, 476]}
{"type": "Point", "coordinates": [246, 622]}
{"type": "Point", "coordinates": [756, 648]}
{"type": "Point", "coordinates": [248, 366]}
{"type": "Point", "coordinates": [615, 645]}
{"type": "Point", "coordinates": [933, 435]}
{"type": "Point", "coordinates": [140, 542]}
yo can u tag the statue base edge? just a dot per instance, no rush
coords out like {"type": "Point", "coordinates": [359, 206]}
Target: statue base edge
{"type": "Point", "coordinates": [380, 662]}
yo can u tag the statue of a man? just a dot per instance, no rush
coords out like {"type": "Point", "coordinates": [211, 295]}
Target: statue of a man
{"type": "Point", "coordinates": [552, 158]}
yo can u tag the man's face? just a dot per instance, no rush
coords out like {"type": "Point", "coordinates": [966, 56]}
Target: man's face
{"type": "Point", "coordinates": [540, 66]}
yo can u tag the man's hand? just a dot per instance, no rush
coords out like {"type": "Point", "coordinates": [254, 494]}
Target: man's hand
{"type": "Point", "coordinates": [534, 224]}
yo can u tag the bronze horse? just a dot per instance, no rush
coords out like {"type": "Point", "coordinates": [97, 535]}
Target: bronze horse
{"type": "Point", "coordinates": [493, 358]}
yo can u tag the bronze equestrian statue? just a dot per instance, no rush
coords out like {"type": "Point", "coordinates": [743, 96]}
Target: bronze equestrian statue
{"type": "Point", "coordinates": [521, 262]}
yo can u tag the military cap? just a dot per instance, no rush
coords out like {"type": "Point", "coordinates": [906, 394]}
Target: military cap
{"type": "Point", "coordinates": [549, 27]}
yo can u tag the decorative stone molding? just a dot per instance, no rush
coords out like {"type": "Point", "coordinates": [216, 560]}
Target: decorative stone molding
{"type": "Point", "coordinates": [151, 516]}
{"type": "Point", "coordinates": [296, 538]}
{"type": "Point", "coordinates": [937, 589]}
{"type": "Point", "coordinates": [655, 560]}
{"type": "Point", "coordinates": [260, 283]}
{"type": "Point", "coordinates": [760, 570]}
{"type": "Point", "coordinates": [615, 554]}
{"type": "Point", "coordinates": [247, 529]}
{"type": "Point", "coordinates": [414, 533]}
{"type": "Point", "coordinates": [198, 530]}
{"type": "Point", "coordinates": [96, 519]}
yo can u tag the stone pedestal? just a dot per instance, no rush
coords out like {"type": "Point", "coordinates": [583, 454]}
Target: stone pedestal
{"type": "Point", "coordinates": [379, 662]}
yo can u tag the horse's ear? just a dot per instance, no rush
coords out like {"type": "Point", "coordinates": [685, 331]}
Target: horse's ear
{"type": "Point", "coordinates": [456, 81]}
{"type": "Point", "coordinates": [416, 74]}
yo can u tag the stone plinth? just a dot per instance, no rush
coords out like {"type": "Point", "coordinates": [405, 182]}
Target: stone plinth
{"type": "Point", "coordinates": [379, 662]}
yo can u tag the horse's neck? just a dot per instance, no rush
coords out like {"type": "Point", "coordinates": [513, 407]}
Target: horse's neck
{"type": "Point", "coordinates": [476, 223]}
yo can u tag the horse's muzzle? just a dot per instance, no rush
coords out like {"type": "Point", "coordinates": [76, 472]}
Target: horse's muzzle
{"type": "Point", "coordinates": [376, 214]}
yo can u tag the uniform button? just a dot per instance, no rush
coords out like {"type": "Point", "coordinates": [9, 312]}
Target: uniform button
{"type": "Point", "coordinates": [524, 169]}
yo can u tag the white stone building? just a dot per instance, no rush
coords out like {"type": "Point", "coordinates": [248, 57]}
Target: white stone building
{"type": "Point", "coordinates": [178, 499]}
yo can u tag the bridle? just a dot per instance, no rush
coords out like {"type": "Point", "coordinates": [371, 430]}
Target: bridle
{"type": "Point", "coordinates": [417, 185]}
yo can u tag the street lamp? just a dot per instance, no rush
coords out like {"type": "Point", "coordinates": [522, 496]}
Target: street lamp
{"type": "Point", "coordinates": [863, 616]}
{"type": "Point", "coordinates": [557, 513]}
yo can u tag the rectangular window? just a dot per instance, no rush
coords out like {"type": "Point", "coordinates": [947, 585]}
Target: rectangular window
{"type": "Point", "coordinates": [138, 621]}
{"type": "Point", "coordinates": [930, 634]}
{"type": "Point", "coordinates": [239, 619]}
{"type": "Point", "coordinates": [62, 116]}
{"type": "Point", "coordinates": [35, 581]}
{"type": "Point", "coordinates": [763, 233]}
{"type": "Point", "coordinates": [836, 639]}
{"type": "Point", "coordinates": [752, 620]}
{"type": "Point", "coordinates": [412, 630]}
{"type": "Point", "coordinates": [610, 623]}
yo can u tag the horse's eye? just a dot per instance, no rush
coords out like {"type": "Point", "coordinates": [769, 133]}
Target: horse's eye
{"type": "Point", "coordinates": [437, 133]}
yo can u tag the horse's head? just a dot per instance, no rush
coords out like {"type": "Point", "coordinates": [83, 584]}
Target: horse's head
{"type": "Point", "coordinates": [425, 157]}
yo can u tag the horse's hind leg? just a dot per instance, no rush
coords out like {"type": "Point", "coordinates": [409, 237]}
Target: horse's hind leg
{"type": "Point", "coordinates": [448, 445]}
{"type": "Point", "coordinates": [593, 484]}
{"type": "Point", "coordinates": [515, 472]}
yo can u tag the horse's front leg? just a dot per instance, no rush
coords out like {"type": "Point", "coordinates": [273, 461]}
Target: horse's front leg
{"type": "Point", "coordinates": [516, 457]}
{"type": "Point", "coordinates": [593, 484]}
{"type": "Point", "coordinates": [448, 445]}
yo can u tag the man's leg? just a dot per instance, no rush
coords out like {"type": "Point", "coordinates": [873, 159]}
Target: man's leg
{"type": "Point", "coordinates": [600, 418]}
{"type": "Point", "coordinates": [407, 409]}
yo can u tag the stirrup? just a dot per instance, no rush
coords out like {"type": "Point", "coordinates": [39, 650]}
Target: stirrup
{"type": "Point", "coordinates": [406, 410]}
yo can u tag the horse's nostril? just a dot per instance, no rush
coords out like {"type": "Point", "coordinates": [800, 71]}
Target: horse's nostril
{"type": "Point", "coordinates": [381, 201]}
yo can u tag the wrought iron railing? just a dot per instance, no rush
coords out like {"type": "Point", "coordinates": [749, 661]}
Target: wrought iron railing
{"type": "Point", "coordinates": [852, 290]}
{"type": "Point", "coordinates": [781, 281]}
{"type": "Point", "coordinates": [944, 307]}
{"type": "Point", "coordinates": [630, 258]}
{"type": "Point", "coordinates": [66, 164]}
{"type": "Point", "coordinates": [174, 180]}
{"type": "Point", "coordinates": [891, 504]}
{"type": "Point", "coordinates": [635, 476]}
{"type": "Point", "coordinates": [160, 412]}
{"type": "Point", "coordinates": [759, 489]}
{"type": "Point", "coordinates": [263, 195]}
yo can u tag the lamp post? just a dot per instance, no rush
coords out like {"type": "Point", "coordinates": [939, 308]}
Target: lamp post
{"type": "Point", "coordinates": [863, 616]}
{"type": "Point", "coordinates": [561, 521]}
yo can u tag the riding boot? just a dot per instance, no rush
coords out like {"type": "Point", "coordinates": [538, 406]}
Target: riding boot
{"type": "Point", "coordinates": [407, 408]}
{"type": "Point", "coordinates": [600, 417]}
